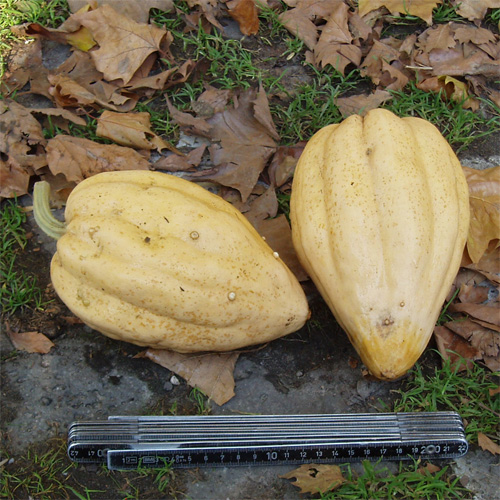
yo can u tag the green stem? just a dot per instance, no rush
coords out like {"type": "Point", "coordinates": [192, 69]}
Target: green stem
{"type": "Point", "coordinates": [43, 216]}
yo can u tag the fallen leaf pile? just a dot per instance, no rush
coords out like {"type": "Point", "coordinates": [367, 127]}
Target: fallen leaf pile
{"type": "Point", "coordinates": [117, 59]}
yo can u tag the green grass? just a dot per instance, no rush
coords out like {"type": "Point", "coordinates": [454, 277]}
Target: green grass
{"type": "Point", "coordinates": [200, 401]}
{"type": "Point", "coordinates": [458, 125]}
{"type": "Point", "coordinates": [48, 474]}
{"type": "Point", "coordinates": [18, 289]}
{"type": "Point", "coordinates": [38, 475]}
{"type": "Point", "coordinates": [451, 389]}
{"type": "Point", "coordinates": [409, 483]}
{"type": "Point", "coordinates": [312, 106]}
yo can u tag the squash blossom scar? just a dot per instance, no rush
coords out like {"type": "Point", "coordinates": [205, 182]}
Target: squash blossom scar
{"type": "Point", "coordinates": [194, 235]}
{"type": "Point", "coordinates": [231, 295]}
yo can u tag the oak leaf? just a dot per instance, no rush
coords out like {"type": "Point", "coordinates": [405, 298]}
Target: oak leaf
{"type": "Point", "coordinates": [484, 198]}
{"type": "Point", "coordinates": [314, 478]}
{"type": "Point", "coordinates": [419, 8]}
{"type": "Point", "coordinates": [212, 373]}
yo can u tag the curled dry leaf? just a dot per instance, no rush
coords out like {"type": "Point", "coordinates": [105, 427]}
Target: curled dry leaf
{"type": "Point", "coordinates": [212, 373]}
{"type": "Point", "coordinates": [314, 478]}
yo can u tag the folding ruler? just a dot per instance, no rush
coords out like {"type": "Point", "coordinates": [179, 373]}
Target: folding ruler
{"type": "Point", "coordinates": [124, 442]}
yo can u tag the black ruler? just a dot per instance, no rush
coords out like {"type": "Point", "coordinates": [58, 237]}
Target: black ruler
{"type": "Point", "coordinates": [194, 441]}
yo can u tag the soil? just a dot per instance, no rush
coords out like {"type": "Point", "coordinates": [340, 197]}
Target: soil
{"type": "Point", "coordinates": [87, 376]}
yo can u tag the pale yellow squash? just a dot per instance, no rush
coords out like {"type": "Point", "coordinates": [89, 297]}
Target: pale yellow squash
{"type": "Point", "coordinates": [155, 260]}
{"type": "Point", "coordinates": [380, 216]}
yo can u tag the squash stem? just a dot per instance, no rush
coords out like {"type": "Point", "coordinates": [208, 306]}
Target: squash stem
{"type": "Point", "coordinates": [43, 215]}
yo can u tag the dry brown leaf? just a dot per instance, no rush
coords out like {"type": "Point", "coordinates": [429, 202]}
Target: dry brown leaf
{"type": "Point", "coordinates": [178, 163]}
{"type": "Point", "coordinates": [489, 264]}
{"type": "Point", "coordinates": [475, 9]}
{"type": "Point", "coordinates": [487, 444]}
{"type": "Point", "coordinates": [244, 12]}
{"type": "Point", "coordinates": [484, 196]}
{"type": "Point", "coordinates": [162, 80]}
{"type": "Point", "coordinates": [65, 114]}
{"type": "Point", "coordinates": [263, 206]}
{"type": "Point", "coordinates": [283, 164]}
{"type": "Point", "coordinates": [14, 179]}
{"type": "Point", "coordinates": [81, 38]}
{"type": "Point", "coordinates": [77, 83]}
{"type": "Point", "coordinates": [300, 20]}
{"type": "Point", "coordinates": [485, 340]}
{"type": "Point", "coordinates": [314, 478]}
{"type": "Point", "coordinates": [278, 236]}
{"type": "Point", "coordinates": [23, 63]}
{"type": "Point", "coordinates": [477, 294]}
{"type": "Point", "coordinates": [77, 158]}
{"type": "Point", "coordinates": [130, 129]}
{"type": "Point", "coordinates": [450, 88]}
{"type": "Point", "coordinates": [488, 313]}
{"type": "Point", "coordinates": [438, 37]}
{"type": "Point", "coordinates": [494, 392]}
{"type": "Point", "coordinates": [335, 46]}
{"type": "Point", "coordinates": [124, 44]}
{"type": "Point", "coordinates": [21, 147]}
{"type": "Point", "coordinates": [362, 103]}
{"type": "Point", "coordinates": [29, 341]}
{"type": "Point", "coordinates": [243, 139]}
{"type": "Point", "coordinates": [139, 11]}
{"type": "Point", "coordinates": [428, 468]}
{"type": "Point", "coordinates": [454, 348]}
{"type": "Point", "coordinates": [212, 373]}
{"type": "Point", "coordinates": [419, 8]}
{"type": "Point", "coordinates": [377, 65]}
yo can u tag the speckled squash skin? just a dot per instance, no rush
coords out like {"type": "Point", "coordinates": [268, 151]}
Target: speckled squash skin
{"type": "Point", "coordinates": [380, 215]}
{"type": "Point", "coordinates": [159, 261]}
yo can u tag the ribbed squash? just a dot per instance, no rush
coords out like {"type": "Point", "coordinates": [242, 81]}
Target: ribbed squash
{"type": "Point", "coordinates": [155, 260]}
{"type": "Point", "coordinates": [380, 215]}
